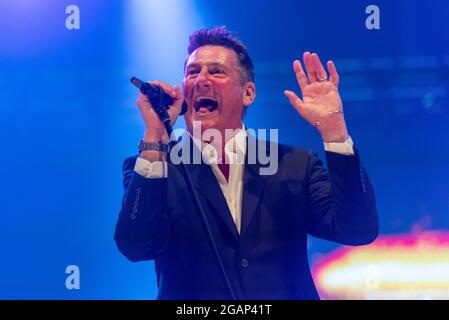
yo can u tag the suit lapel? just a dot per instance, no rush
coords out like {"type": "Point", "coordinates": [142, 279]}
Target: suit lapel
{"type": "Point", "coordinates": [206, 183]}
{"type": "Point", "coordinates": [253, 184]}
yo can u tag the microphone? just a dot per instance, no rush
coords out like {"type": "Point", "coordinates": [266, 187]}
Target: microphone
{"type": "Point", "coordinates": [158, 98]}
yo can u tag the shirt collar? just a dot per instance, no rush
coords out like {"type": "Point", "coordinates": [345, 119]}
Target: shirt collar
{"type": "Point", "coordinates": [234, 146]}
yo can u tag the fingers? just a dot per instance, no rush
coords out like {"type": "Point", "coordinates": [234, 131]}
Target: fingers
{"type": "Point", "coordinates": [333, 73]}
{"type": "Point", "coordinates": [179, 99]}
{"type": "Point", "coordinates": [174, 110]}
{"type": "Point", "coordinates": [143, 100]}
{"type": "Point", "coordinates": [315, 71]}
{"type": "Point", "coordinates": [294, 100]}
{"type": "Point", "coordinates": [310, 67]}
{"type": "Point", "coordinates": [174, 92]}
{"type": "Point", "coordinates": [300, 75]}
{"type": "Point", "coordinates": [167, 88]}
{"type": "Point", "coordinates": [319, 69]}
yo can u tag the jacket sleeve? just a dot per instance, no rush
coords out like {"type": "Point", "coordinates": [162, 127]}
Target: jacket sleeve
{"type": "Point", "coordinates": [341, 203]}
{"type": "Point", "coordinates": [142, 229]}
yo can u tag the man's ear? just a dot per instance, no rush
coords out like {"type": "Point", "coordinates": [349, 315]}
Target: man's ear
{"type": "Point", "coordinates": [249, 93]}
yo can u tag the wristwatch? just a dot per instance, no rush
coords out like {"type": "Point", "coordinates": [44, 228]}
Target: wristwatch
{"type": "Point", "coordinates": [157, 146]}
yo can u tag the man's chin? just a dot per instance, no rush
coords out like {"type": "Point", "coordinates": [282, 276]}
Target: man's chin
{"type": "Point", "coordinates": [206, 122]}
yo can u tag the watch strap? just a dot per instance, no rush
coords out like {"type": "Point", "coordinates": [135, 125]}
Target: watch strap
{"type": "Point", "coordinates": [156, 146]}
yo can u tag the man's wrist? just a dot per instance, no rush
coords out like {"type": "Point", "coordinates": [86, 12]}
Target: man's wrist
{"type": "Point", "coordinates": [335, 137]}
{"type": "Point", "coordinates": [153, 146]}
{"type": "Point", "coordinates": [153, 155]}
{"type": "Point", "coordinates": [156, 135]}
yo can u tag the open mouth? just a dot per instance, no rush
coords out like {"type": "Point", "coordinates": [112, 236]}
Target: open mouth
{"type": "Point", "coordinates": [205, 104]}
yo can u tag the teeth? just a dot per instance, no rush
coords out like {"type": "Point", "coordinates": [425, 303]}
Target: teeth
{"type": "Point", "coordinates": [205, 101]}
{"type": "Point", "coordinates": [205, 97]}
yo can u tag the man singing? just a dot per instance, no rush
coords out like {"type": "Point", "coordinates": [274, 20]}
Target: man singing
{"type": "Point", "coordinates": [259, 222]}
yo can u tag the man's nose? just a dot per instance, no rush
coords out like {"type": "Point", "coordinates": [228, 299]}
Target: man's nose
{"type": "Point", "coordinates": [202, 80]}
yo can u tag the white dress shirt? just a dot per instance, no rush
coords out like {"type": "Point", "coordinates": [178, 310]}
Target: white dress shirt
{"type": "Point", "coordinates": [235, 150]}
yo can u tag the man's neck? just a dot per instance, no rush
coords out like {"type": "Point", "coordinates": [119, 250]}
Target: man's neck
{"type": "Point", "coordinates": [226, 135]}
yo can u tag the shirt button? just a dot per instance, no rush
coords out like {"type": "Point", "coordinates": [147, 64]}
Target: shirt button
{"type": "Point", "coordinates": [244, 263]}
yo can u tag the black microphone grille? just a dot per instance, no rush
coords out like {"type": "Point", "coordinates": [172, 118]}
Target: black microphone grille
{"type": "Point", "coordinates": [137, 82]}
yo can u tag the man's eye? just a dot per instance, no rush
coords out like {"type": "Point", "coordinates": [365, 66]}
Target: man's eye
{"type": "Point", "coordinates": [217, 71]}
{"type": "Point", "coordinates": [192, 72]}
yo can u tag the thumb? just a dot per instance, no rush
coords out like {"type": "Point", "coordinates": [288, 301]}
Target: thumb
{"type": "Point", "coordinates": [294, 100]}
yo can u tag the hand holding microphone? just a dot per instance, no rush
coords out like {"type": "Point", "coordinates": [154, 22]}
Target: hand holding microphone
{"type": "Point", "coordinates": [152, 95]}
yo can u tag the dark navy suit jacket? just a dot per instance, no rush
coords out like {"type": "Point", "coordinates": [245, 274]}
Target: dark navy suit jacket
{"type": "Point", "coordinates": [268, 259]}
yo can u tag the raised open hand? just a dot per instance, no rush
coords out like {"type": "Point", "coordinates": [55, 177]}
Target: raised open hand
{"type": "Point", "coordinates": [321, 104]}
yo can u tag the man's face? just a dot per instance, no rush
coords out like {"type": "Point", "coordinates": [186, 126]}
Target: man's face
{"type": "Point", "coordinates": [213, 89]}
